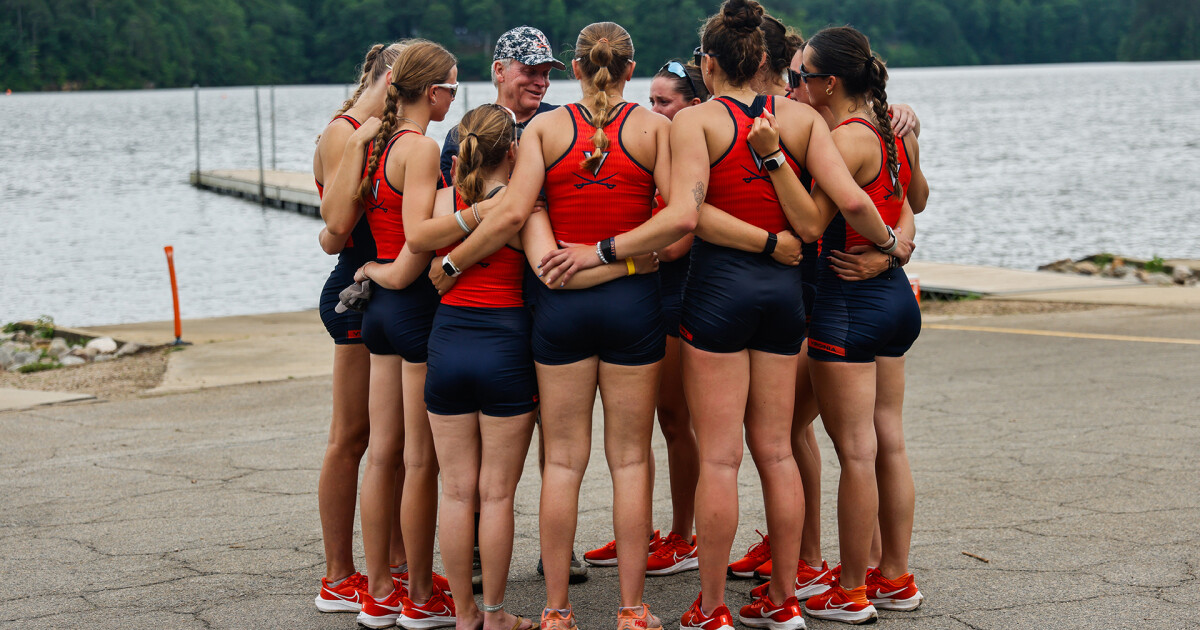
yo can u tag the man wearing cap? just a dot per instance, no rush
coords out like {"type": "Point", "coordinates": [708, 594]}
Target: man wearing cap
{"type": "Point", "coordinates": [521, 73]}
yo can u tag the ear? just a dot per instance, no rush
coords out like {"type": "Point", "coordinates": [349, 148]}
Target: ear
{"type": "Point", "coordinates": [695, 101]}
{"type": "Point", "coordinates": [498, 71]}
{"type": "Point", "coordinates": [629, 71]}
{"type": "Point", "coordinates": [387, 76]}
{"type": "Point", "coordinates": [575, 68]}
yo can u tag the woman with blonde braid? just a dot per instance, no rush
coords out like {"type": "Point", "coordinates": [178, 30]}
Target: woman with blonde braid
{"type": "Point", "coordinates": [346, 234]}
{"type": "Point", "coordinates": [861, 330]}
{"type": "Point", "coordinates": [400, 179]}
{"type": "Point", "coordinates": [600, 161]}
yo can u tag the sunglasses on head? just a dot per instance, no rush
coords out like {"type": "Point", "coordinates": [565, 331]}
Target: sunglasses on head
{"type": "Point", "coordinates": [677, 69]}
{"type": "Point", "coordinates": [699, 55]}
{"type": "Point", "coordinates": [453, 87]}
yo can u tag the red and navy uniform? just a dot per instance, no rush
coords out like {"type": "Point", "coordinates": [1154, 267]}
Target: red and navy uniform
{"type": "Point", "coordinates": [858, 321]}
{"type": "Point", "coordinates": [619, 321]}
{"type": "Point", "coordinates": [479, 353]}
{"type": "Point", "coordinates": [395, 322]}
{"type": "Point", "coordinates": [736, 300]}
{"type": "Point", "coordinates": [672, 276]}
{"type": "Point", "coordinates": [346, 328]}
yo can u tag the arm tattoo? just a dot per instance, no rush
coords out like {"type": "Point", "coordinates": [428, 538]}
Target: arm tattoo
{"type": "Point", "coordinates": [698, 195]}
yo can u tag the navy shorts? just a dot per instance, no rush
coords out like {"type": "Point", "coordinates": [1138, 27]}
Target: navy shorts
{"type": "Point", "coordinates": [808, 275]}
{"type": "Point", "coordinates": [854, 322]}
{"type": "Point", "coordinates": [398, 322]}
{"type": "Point", "coordinates": [345, 328]}
{"type": "Point", "coordinates": [620, 321]}
{"type": "Point", "coordinates": [738, 300]}
{"type": "Point", "coordinates": [672, 276]}
{"type": "Point", "coordinates": [480, 360]}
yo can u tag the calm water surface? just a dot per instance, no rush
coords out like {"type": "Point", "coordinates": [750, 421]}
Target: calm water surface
{"type": "Point", "coordinates": [1026, 164]}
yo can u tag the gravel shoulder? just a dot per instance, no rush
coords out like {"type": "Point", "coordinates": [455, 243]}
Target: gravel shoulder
{"type": "Point", "coordinates": [122, 378]}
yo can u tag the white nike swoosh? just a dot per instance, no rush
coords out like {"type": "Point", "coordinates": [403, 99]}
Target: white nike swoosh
{"type": "Point", "coordinates": [343, 597]}
{"type": "Point", "coordinates": [683, 557]}
{"type": "Point", "coordinates": [840, 606]}
{"type": "Point", "coordinates": [883, 595]}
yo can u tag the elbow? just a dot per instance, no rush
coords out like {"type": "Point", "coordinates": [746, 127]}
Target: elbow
{"type": "Point", "coordinates": [685, 224]}
{"type": "Point", "coordinates": [419, 241]}
{"type": "Point", "coordinates": [810, 233]}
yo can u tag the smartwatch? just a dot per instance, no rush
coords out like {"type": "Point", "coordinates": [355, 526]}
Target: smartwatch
{"type": "Point", "coordinates": [775, 161]}
{"type": "Point", "coordinates": [449, 267]}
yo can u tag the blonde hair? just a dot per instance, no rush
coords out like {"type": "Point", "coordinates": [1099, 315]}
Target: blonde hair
{"type": "Point", "coordinates": [379, 59]}
{"type": "Point", "coordinates": [604, 51]}
{"type": "Point", "coordinates": [420, 64]}
{"type": "Point", "coordinates": [485, 135]}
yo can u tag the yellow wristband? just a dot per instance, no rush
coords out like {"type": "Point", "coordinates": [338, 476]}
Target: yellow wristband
{"type": "Point", "coordinates": [630, 266]}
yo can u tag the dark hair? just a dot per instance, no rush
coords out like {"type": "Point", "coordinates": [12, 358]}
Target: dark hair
{"type": "Point", "coordinates": [604, 51]}
{"type": "Point", "coordinates": [690, 87]}
{"type": "Point", "coordinates": [485, 134]}
{"type": "Point", "coordinates": [733, 36]}
{"type": "Point", "coordinates": [846, 53]}
{"type": "Point", "coordinates": [420, 64]}
{"type": "Point", "coordinates": [782, 42]}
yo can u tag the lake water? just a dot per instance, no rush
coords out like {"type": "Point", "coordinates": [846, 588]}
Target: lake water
{"type": "Point", "coordinates": [1027, 164]}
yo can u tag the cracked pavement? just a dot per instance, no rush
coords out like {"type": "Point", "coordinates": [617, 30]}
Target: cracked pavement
{"type": "Point", "coordinates": [1070, 464]}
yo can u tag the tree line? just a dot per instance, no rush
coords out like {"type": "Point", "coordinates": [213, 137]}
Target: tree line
{"type": "Point", "coordinates": [108, 44]}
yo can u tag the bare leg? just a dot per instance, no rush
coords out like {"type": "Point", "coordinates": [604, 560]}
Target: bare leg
{"type": "Point", "coordinates": [349, 430]}
{"type": "Point", "coordinates": [568, 393]}
{"type": "Point", "coordinates": [419, 514]}
{"type": "Point", "coordinates": [808, 460]}
{"type": "Point", "coordinates": [846, 393]}
{"type": "Point", "coordinates": [896, 493]}
{"type": "Point", "coordinates": [768, 421]}
{"type": "Point", "coordinates": [717, 386]}
{"type": "Point", "coordinates": [456, 439]}
{"type": "Point", "coordinates": [628, 395]}
{"type": "Point", "coordinates": [683, 457]}
{"type": "Point", "coordinates": [384, 460]}
{"type": "Point", "coordinates": [505, 443]}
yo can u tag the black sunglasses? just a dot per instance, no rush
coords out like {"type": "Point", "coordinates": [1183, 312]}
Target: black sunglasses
{"type": "Point", "coordinates": [699, 55]}
{"type": "Point", "coordinates": [677, 69]}
{"type": "Point", "coordinates": [794, 78]}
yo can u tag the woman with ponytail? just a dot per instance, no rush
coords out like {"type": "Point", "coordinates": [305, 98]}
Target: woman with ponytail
{"type": "Point", "coordinates": [399, 183]}
{"type": "Point", "coordinates": [599, 161]}
{"type": "Point", "coordinates": [861, 330]}
{"type": "Point", "coordinates": [346, 234]}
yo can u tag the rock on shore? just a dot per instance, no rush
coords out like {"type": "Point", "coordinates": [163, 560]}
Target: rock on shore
{"type": "Point", "coordinates": [1155, 271]}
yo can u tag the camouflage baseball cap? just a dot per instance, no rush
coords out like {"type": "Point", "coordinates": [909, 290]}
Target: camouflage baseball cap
{"type": "Point", "coordinates": [527, 45]}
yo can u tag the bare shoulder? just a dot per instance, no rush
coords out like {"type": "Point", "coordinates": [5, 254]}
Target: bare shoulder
{"type": "Point", "coordinates": [549, 120]}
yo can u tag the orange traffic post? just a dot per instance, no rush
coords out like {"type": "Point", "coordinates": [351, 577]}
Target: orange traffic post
{"type": "Point", "coordinates": [174, 294]}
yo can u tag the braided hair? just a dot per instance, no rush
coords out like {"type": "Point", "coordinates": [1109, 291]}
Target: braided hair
{"type": "Point", "coordinates": [486, 132]}
{"type": "Point", "coordinates": [846, 53]}
{"type": "Point", "coordinates": [604, 51]}
{"type": "Point", "coordinates": [379, 58]}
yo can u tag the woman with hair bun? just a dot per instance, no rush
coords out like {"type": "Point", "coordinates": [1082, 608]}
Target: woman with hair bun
{"type": "Point", "coordinates": [599, 161]}
{"type": "Point", "coordinates": [743, 315]}
{"type": "Point", "coordinates": [861, 331]}
{"type": "Point", "coordinates": [340, 147]}
{"type": "Point", "coordinates": [397, 188]}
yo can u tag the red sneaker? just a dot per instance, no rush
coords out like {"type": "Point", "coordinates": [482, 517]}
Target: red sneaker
{"type": "Point", "coordinates": [898, 594]}
{"type": "Point", "coordinates": [606, 556]}
{"type": "Point", "coordinates": [763, 572]}
{"type": "Point", "coordinates": [761, 613]}
{"type": "Point", "coordinates": [439, 582]}
{"type": "Point", "coordinates": [438, 612]}
{"type": "Point", "coordinates": [382, 613]}
{"type": "Point", "coordinates": [810, 581]}
{"type": "Point", "coordinates": [347, 596]}
{"type": "Point", "coordinates": [838, 604]}
{"type": "Point", "coordinates": [756, 555]}
{"type": "Point", "coordinates": [695, 619]}
{"type": "Point", "coordinates": [674, 555]}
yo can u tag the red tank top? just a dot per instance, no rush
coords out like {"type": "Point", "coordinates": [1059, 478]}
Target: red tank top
{"type": "Point", "coordinates": [880, 189]}
{"type": "Point", "coordinates": [494, 282]}
{"type": "Point", "coordinates": [738, 183]}
{"type": "Point", "coordinates": [385, 206]}
{"type": "Point", "coordinates": [589, 206]}
{"type": "Point", "coordinates": [321, 187]}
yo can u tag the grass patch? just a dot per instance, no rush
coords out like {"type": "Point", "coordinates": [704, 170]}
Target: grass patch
{"type": "Point", "coordinates": [38, 367]}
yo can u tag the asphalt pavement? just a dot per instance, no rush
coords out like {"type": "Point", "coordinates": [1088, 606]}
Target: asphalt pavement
{"type": "Point", "coordinates": [1063, 448]}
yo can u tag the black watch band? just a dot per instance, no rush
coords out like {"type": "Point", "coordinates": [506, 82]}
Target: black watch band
{"type": "Point", "coordinates": [772, 241]}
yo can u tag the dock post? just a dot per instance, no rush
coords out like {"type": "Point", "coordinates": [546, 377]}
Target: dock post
{"type": "Point", "coordinates": [262, 188]}
{"type": "Point", "coordinates": [196, 102]}
{"type": "Point", "coordinates": [272, 127]}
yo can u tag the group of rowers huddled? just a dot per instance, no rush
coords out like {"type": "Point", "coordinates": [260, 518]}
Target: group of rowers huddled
{"type": "Point", "coordinates": [731, 257]}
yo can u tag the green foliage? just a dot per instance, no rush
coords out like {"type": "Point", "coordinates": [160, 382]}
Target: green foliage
{"type": "Point", "coordinates": [74, 44]}
{"type": "Point", "coordinates": [38, 367]}
{"type": "Point", "coordinates": [11, 327]}
{"type": "Point", "coordinates": [44, 327]}
{"type": "Point", "coordinates": [1155, 265]}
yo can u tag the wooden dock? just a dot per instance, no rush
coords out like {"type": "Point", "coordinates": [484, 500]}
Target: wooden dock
{"type": "Point", "coordinates": [281, 189]}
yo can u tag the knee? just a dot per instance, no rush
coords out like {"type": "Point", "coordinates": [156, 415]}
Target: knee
{"type": "Point", "coordinates": [627, 456]}
{"type": "Point", "coordinates": [722, 462]}
{"type": "Point", "coordinates": [349, 444]}
{"type": "Point", "coordinates": [675, 429]}
{"type": "Point", "coordinates": [496, 494]}
{"type": "Point", "coordinates": [420, 462]}
{"type": "Point", "coordinates": [856, 451]}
